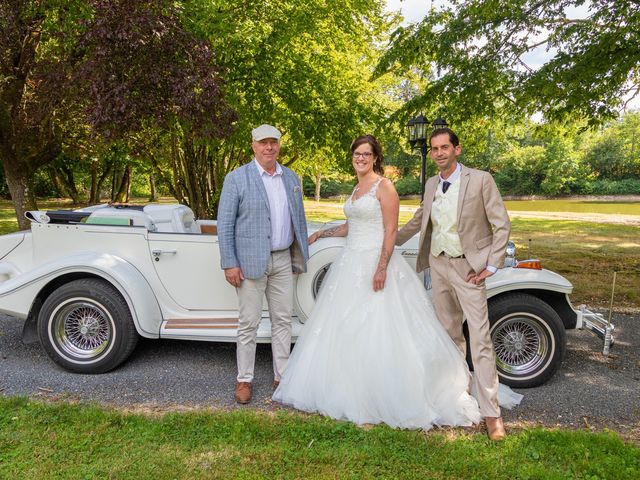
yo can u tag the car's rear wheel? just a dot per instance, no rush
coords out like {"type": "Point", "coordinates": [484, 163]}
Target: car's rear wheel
{"type": "Point", "coordinates": [528, 338]}
{"type": "Point", "coordinates": [85, 326]}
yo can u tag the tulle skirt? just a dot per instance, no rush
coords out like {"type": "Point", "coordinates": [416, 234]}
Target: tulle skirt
{"type": "Point", "coordinates": [377, 357]}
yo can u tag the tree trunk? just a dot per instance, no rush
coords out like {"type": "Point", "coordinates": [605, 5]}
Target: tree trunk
{"type": "Point", "coordinates": [94, 195]}
{"type": "Point", "coordinates": [318, 183]}
{"type": "Point", "coordinates": [121, 195]}
{"type": "Point", "coordinates": [20, 188]}
{"type": "Point", "coordinates": [152, 185]}
{"type": "Point", "coordinates": [115, 180]}
{"type": "Point", "coordinates": [65, 184]}
{"type": "Point", "coordinates": [71, 185]}
{"type": "Point", "coordinates": [58, 183]}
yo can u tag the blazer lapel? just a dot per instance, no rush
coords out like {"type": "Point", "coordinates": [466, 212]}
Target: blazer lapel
{"type": "Point", "coordinates": [288, 186]}
{"type": "Point", "coordinates": [464, 182]}
{"type": "Point", "coordinates": [257, 181]}
{"type": "Point", "coordinates": [427, 200]}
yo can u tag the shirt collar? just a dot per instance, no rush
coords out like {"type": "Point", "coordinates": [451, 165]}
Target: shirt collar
{"type": "Point", "coordinates": [454, 176]}
{"type": "Point", "coordinates": [262, 171]}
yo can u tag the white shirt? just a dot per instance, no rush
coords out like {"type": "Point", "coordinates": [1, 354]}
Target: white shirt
{"type": "Point", "coordinates": [453, 177]}
{"type": "Point", "coordinates": [280, 217]}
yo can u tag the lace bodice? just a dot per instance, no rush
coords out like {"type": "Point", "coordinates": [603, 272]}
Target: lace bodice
{"type": "Point", "coordinates": [366, 230]}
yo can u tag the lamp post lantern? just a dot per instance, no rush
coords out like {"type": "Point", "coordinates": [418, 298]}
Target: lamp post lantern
{"type": "Point", "coordinates": [417, 135]}
{"type": "Point", "coordinates": [439, 123]}
{"type": "Point", "coordinates": [418, 138]}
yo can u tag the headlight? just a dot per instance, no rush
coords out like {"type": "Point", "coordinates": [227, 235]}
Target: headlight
{"type": "Point", "coordinates": [510, 260]}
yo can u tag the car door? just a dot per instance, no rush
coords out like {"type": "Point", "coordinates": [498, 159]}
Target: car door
{"type": "Point", "coordinates": [188, 266]}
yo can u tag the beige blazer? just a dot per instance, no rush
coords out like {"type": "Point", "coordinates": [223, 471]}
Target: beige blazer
{"type": "Point", "coordinates": [483, 221]}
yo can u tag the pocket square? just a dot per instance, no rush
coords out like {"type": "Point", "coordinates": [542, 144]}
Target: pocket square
{"type": "Point", "coordinates": [296, 189]}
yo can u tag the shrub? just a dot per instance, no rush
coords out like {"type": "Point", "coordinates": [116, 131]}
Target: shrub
{"type": "Point", "coordinates": [329, 187]}
{"type": "Point", "coordinates": [627, 186]}
{"type": "Point", "coordinates": [408, 186]}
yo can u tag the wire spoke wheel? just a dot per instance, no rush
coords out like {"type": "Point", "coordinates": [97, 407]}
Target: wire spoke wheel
{"type": "Point", "coordinates": [82, 328]}
{"type": "Point", "coordinates": [86, 326]}
{"type": "Point", "coordinates": [528, 337]}
{"type": "Point", "coordinates": [521, 344]}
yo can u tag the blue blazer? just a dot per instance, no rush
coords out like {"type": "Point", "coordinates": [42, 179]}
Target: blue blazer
{"type": "Point", "coordinates": [244, 226]}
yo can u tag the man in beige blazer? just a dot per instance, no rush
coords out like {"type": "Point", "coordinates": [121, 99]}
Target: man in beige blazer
{"type": "Point", "coordinates": [464, 228]}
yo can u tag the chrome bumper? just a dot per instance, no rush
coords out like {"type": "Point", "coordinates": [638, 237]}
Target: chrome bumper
{"type": "Point", "coordinates": [596, 323]}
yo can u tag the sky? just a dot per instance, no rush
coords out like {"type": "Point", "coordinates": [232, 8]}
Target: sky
{"type": "Point", "coordinates": [414, 10]}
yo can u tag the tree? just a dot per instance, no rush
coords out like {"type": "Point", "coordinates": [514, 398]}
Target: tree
{"type": "Point", "coordinates": [303, 66]}
{"type": "Point", "coordinates": [117, 65]}
{"type": "Point", "coordinates": [480, 51]}
{"type": "Point", "coordinates": [31, 102]}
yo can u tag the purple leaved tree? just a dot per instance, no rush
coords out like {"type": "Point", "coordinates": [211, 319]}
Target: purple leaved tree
{"type": "Point", "coordinates": [118, 66]}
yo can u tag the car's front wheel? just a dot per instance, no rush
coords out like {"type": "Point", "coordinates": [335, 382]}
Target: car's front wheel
{"type": "Point", "coordinates": [528, 338]}
{"type": "Point", "coordinates": [85, 326]}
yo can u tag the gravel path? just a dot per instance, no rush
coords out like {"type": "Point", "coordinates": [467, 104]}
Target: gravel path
{"type": "Point", "coordinates": [589, 390]}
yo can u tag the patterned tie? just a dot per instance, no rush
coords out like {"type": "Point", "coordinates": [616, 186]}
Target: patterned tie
{"type": "Point", "coordinates": [445, 186]}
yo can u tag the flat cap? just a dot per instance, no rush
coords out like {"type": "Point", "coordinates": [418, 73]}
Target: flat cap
{"type": "Point", "coordinates": [265, 131]}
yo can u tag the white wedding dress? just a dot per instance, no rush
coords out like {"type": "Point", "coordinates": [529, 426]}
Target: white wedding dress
{"type": "Point", "coordinates": [376, 357]}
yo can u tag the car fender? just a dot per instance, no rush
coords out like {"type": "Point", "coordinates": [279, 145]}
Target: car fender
{"type": "Point", "coordinates": [321, 254]}
{"type": "Point", "coordinates": [514, 279]}
{"type": "Point", "coordinates": [18, 294]}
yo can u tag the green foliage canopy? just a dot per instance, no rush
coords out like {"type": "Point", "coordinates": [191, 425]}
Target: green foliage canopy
{"type": "Point", "coordinates": [479, 52]}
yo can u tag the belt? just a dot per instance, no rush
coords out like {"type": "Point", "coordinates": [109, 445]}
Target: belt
{"type": "Point", "coordinates": [282, 250]}
{"type": "Point", "coordinates": [445, 254]}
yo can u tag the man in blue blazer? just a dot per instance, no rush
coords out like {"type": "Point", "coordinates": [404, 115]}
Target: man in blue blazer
{"type": "Point", "coordinates": [262, 232]}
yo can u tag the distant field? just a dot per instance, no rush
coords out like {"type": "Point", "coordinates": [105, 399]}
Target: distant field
{"type": "Point", "coordinates": [578, 206]}
{"type": "Point", "coordinates": [619, 206]}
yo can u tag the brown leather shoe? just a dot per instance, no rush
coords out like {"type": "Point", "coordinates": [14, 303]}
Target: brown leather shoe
{"type": "Point", "coordinates": [276, 383]}
{"type": "Point", "coordinates": [243, 392]}
{"type": "Point", "coordinates": [495, 428]}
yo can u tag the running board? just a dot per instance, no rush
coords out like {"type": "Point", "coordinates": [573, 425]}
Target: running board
{"type": "Point", "coordinates": [217, 329]}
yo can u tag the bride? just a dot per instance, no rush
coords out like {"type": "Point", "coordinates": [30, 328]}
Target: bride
{"type": "Point", "coordinates": [372, 350]}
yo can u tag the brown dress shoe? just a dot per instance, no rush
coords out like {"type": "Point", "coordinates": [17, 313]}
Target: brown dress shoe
{"type": "Point", "coordinates": [243, 392]}
{"type": "Point", "coordinates": [276, 383]}
{"type": "Point", "coordinates": [495, 428]}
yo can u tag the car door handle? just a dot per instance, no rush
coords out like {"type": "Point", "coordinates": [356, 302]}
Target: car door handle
{"type": "Point", "coordinates": [156, 253]}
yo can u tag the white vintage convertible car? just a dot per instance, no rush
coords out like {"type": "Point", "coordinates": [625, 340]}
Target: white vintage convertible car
{"type": "Point", "coordinates": [90, 282]}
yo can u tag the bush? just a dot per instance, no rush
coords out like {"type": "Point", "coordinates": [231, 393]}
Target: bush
{"type": "Point", "coordinates": [408, 186]}
{"type": "Point", "coordinates": [43, 186]}
{"type": "Point", "coordinates": [627, 186]}
{"type": "Point", "coordinates": [329, 187]}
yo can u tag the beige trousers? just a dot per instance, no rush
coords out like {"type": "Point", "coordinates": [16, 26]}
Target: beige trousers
{"type": "Point", "coordinates": [277, 285]}
{"type": "Point", "coordinates": [455, 299]}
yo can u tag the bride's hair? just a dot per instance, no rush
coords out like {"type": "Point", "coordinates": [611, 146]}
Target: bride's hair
{"type": "Point", "coordinates": [378, 165]}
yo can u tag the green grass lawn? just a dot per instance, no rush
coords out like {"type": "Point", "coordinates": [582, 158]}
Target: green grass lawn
{"type": "Point", "coordinates": [42, 441]}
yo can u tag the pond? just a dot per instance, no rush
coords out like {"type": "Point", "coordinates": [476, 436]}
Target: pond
{"type": "Point", "coordinates": [575, 205]}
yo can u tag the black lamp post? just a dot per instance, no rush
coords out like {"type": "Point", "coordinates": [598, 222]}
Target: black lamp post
{"type": "Point", "coordinates": [417, 135]}
{"type": "Point", "coordinates": [418, 138]}
{"type": "Point", "coordinates": [439, 123]}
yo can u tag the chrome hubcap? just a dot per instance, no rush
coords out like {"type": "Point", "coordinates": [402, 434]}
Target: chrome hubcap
{"type": "Point", "coordinates": [82, 328]}
{"type": "Point", "coordinates": [521, 343]}
{"type": "Point", "coordinates": [318, 279]}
